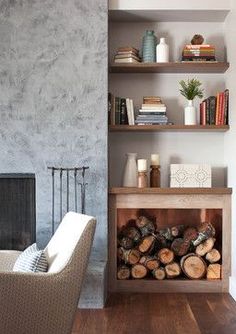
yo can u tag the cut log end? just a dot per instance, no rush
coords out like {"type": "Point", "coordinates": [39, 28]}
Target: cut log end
{"type": "Point", "coordinates": [214, 271]}
{"type": "Point", "coordinates": [173, 270]}
{"type": "Point", "coordinates": [159, 273]}
{"type": "Point", "coordinates": [193, 266]}
{"type": "Point", "coordinates": [205, 247]}
{"type": "Point", "coordinates": [123, 272]}
{"type": "Point", "coordinates": [138, 271]}
{"type": "Point", "coordinates": [166, 256]}
{"type": "Point", "coordinates": [213, 256]}
{"type": "Point", "coordinates": [147, 243]}
{"type": "Point", "coordinates": [131, 256]}
{"type": "Point", "coordinates": [150, 262]}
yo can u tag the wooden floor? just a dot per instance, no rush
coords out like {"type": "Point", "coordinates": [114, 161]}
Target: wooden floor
{"type": "Point", "coordinates": [160, 314]}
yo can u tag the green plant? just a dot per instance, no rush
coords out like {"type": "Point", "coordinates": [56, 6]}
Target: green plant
{"type": "Point", "coordinates": [191, 89]}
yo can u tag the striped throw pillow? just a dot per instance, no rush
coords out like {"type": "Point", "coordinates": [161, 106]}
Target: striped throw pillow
{"type": "Point", "coordinates": [31, 260]}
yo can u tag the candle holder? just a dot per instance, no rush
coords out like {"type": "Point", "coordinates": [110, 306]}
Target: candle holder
{"type": "Point", "coordinates": [155, 176]}
{"type": "Point", "coordinates": [142, 179]}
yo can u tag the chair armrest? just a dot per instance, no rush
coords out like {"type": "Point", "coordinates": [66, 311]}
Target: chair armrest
{"type": "Point", "coordinates": [8, 259]}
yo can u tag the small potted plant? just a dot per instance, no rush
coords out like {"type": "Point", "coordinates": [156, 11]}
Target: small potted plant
{"type": "Point", "coordinates": [190, 89]}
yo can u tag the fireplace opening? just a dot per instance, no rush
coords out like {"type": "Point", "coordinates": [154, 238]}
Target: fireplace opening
{"type": "Point", "coordinates": [17, 211]}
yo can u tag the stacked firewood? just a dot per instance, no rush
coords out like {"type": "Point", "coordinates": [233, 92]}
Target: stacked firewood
{"type": "Point", "coordinates": [178, 251]}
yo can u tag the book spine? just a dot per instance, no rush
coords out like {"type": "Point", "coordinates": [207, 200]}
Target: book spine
{"type": "Point", "coordinates": [204, 113]}
{"type": "Point", "coordinates": [117, 110]}
{"type": "Point", "coordinates": [141, 112]}
{"type": "Point", "coordinates": [132, 111]}
{"type": "Point", "coordinates": [123, 112]}
{"type": "Point", "coordinates": [201, 113]}
{"type": "Point", "coordinates": [109, 107]}
{"type": "Point", "coordinates": [221, 106]}
{"type": "Point", "coordinates": [223, 109]}
{"type": "Point", "coordinates": [112, 110]}
{"type": "Point", "coordinates": [128, 111]}
{"type": "Point", "coordinates": [212, 110]}
{"type": "Point", "coordinates": [207, 111]}
{"type": "Point", "coordinates": [226, 114]}
{"type": "Point", "coordinates": [217, 108]}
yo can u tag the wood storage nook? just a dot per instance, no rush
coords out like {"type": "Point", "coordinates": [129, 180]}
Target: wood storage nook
{"type": "Point", "coordinates": [169, 239]}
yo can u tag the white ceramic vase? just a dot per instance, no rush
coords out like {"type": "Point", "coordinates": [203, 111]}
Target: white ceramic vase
{"type": "Point", "coordinates": [131, 173]}
{"type": "Point", "coordinates": [162, 52]}
{"type": "Point", "coordinates": [190, 116]}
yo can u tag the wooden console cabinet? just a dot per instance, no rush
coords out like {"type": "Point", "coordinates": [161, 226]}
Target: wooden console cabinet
{"type": "Point", "coordinates": [189, 206]}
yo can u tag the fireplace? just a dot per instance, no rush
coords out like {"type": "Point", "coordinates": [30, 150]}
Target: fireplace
{"type": "Point", "coordinates": [17, 211]}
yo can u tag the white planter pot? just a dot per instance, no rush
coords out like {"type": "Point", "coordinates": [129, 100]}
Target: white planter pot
{"type": "Point", "coordinates": [190, 115]}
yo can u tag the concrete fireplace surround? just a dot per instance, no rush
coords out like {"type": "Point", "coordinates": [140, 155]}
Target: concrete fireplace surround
{"type": "Point", "coordinates": [53, 100]}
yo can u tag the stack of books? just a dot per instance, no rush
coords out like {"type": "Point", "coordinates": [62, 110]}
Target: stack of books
{"type": "Point", "coordinates": [153, 112]}
{"type": "Point", "coordinates": [203, 52]}
{"type": "Point", "coordinates": [127, 55]}
{"type": "Point", "coordinates": [120, 110]}
{"type": "Point", "coordinates": [215, 109]}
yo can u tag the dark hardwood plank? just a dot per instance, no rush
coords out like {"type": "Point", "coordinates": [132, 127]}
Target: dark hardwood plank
{"type": "Point", "coordinates": [226, 315]}
{"type": "Point", "coordinates": [206, 319]}
{"type": "Point", "coordinates": [160, 314]}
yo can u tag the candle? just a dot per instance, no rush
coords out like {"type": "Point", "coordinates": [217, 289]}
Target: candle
{"type": "Point", "coordinates": [155, 160]}
{"type": "Point", "coordinates": [142, 165]}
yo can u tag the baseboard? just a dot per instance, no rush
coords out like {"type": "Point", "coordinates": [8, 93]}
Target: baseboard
{"type": "Point", "coordinates": [232, 287]}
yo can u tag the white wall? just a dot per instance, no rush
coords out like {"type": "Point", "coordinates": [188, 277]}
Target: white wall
{"type": "Point", "coordinates": [172, 147]}
{"type": "Point", "coordinates": [230, 138]}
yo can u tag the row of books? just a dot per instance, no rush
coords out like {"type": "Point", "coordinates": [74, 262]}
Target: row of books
{"type": "Point", "coordinates": [152, 112]}
{"type": "Point", "coordinates": [203, 52]}
{"type": "Point", "coordinates": [127, 55]}
{"type": "Point", "coordinates": [215, 109]}
{"type": "Point", "coordinates": [120, 110]}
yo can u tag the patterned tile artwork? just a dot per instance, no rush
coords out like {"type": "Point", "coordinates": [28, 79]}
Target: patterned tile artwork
{"type": "Point", "coordinates": [190, 175]}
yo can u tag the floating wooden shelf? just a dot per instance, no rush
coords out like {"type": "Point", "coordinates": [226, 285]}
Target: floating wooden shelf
{"type": "Point", "coordinates": [172, 67]}
{"type": "Point", "coordinates": [170, 191]}
{"type": "Point", "coordinates": [150, 13]}
{"type": "Point", "coordinates": [167, 128]}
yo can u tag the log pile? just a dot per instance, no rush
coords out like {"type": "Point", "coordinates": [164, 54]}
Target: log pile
{"type": "Point", "coordinates": [178, 251]}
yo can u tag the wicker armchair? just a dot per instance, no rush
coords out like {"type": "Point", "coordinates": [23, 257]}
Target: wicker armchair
{"type": "Point", "coordinates": [45, 303]}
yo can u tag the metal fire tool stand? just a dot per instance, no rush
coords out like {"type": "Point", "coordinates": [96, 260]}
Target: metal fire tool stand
{"type": "Point", "coordinates": [68, 172]}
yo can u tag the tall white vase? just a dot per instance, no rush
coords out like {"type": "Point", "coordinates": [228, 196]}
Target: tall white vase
{"type": "Point", "coordinates": [162, 51]}
{"type": "Point", "coordinates": [131, 173]}
{"type": "Point", "coordinates": [190, 115]}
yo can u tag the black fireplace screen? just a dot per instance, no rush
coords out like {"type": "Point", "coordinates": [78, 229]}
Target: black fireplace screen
{"type": "Point", "coordinates": [17, 211]}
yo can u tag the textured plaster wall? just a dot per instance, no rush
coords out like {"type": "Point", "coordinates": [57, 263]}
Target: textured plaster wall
{"type": "Point", "coordinates": [53, 84]}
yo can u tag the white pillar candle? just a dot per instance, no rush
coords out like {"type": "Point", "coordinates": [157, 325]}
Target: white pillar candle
{"type": "Point", "coordinates": [142, 165]}
{"type": "Point", "coordinates": [155, 160]}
